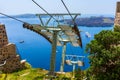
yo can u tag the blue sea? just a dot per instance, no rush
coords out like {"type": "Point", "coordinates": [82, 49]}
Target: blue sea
{"type": "Point", "coordinates": [37, 50]}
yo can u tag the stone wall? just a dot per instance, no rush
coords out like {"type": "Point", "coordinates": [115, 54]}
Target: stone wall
{"type": "Point", "coordinates": [3, 35]}
{"type": "Point", "coordinates": [9, 59]}
{"type": "Point", "coordinates": [117, 16]}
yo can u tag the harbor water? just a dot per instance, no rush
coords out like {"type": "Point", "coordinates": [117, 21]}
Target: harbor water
{"type": "Point", "coordinates": [37, 50]}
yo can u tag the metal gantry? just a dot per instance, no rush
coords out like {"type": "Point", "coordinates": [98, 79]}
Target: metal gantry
{"type": "Point", "coordinates": [58, 35]}
{"type": "Point", "coordinates": [69, 33]}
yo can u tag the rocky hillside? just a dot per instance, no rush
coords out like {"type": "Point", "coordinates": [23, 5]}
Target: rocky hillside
{"type": "Point", "coordinates": [33, 74]}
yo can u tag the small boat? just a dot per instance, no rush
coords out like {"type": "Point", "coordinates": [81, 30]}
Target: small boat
{"type": "Point", "coordinates": [87, 34]}
{"type": "Point", "coordinates": [21, 41]}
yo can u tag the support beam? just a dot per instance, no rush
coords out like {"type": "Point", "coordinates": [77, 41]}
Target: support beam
{"type": "Point", "coordinates": [41, 21]}
{"type": "Point", "coordinates": [59, 14]}
{"type": "Point", "coordinates": [73, 76]}
{"type": "Point", "coordinates": [53, 54]}
{"type": "Point", "coordinates": [63, 57]}
{"type": "Point", "coordinates": [48, 21]}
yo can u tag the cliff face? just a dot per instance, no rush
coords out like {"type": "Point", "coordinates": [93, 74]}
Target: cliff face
{"type": "Point", "coordinates": [9, 59]}
{"type": "Point", "coordinates": [117, 16]}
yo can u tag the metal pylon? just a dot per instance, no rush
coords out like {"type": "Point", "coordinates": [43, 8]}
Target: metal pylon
{"type": "Point", "coordinates": [53, 54]}
{"type": "Point", "coordinates": [63, 57]}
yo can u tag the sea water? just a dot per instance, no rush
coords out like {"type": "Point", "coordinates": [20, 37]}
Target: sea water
{"type": "Point", "coordinates": [37, 50]}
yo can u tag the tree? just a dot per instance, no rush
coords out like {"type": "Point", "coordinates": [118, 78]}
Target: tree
{"type": "Point", "coordinates": [104, 56]}
{"type": "Point", "coordinates": [79, 74]}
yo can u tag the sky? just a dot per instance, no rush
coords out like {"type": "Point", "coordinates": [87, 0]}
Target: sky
{"type": "Point", "coordinates": [13, 7]}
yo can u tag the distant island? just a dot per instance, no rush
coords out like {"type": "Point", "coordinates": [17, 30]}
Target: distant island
{"type": "Point", "coordinates": [22, 16]}
{"type": "Point", "coordinates": [92, 21]}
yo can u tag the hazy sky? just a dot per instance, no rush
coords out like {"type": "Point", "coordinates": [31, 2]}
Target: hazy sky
{"type": "Point", "coordinates": [55, 6]}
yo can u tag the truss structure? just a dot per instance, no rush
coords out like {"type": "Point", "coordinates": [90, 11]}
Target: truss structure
{"type": "Point", "coordinates": [56, 35]}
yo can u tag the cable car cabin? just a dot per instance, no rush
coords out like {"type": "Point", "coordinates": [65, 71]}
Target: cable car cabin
{"type": "Point", "coordinates": [80, 63]}
{"type": "Point", "coordinates": [68, 62]}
